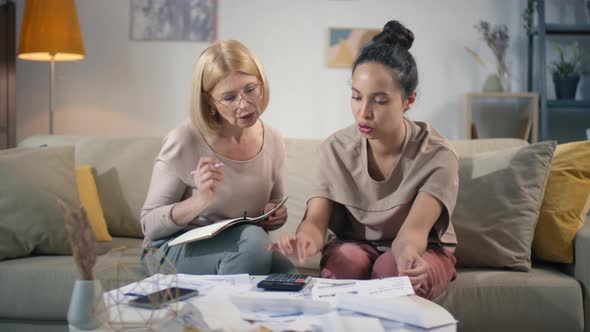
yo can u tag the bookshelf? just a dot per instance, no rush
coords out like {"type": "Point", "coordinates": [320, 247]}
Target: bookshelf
{"type": "Point", "coordinates": [499, 114]}
{"type": "Point", "coordinates": [7, 76]}
{"type": "Point", "coordinates": [560, 119]}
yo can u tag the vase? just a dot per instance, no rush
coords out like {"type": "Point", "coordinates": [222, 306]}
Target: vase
{"type": "Point", "coordinates": [87, 309]}
{"type": "Point", "coordinates": [492, 84]}
{"type": "Point", "coordinates": [504, 76]}
{"type": "Point", "coordinates": [566, 86]}
{"type": "Point", "coordinates": [499, 81]}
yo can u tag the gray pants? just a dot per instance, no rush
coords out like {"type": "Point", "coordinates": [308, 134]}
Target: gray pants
{"type": "Point", "coordinates": [238, 249]}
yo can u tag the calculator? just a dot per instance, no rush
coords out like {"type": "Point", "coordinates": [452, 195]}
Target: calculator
{"type": "Point", "coordinates": [284, 282]}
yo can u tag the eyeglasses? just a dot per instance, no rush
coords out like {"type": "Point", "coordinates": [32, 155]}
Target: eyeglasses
{"type": "Point", "coordinates": [251, 93]}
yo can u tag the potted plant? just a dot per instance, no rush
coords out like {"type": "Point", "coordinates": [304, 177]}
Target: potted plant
{"type": "Point", "coordinates": [566, 72]}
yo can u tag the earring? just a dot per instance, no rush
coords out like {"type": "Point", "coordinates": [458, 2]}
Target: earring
{"type": "Point", "coordinates": [212, 112]}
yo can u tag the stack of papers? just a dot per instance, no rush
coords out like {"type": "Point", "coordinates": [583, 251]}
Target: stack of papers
{"type": "Point", "coordinates": [412, 310]}
{"type": "Point", "coordinates": [234, 303]}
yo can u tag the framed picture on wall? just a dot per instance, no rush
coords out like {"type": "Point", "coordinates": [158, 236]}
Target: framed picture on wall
{"type": "Point", "coordinates": [345, 44]}
{"type": "Point", "coordinates": [173, 20]}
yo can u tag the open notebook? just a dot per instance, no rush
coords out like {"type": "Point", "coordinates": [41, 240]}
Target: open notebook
{"type": "Point", "coordinates": [208, 231]}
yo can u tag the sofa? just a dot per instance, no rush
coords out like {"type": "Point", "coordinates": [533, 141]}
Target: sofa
{"type": "Point", "coordinates": [35, 290]}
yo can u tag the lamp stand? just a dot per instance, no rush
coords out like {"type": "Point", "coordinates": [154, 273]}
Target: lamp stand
{"type": "Point", "coordinates": [51, 82]}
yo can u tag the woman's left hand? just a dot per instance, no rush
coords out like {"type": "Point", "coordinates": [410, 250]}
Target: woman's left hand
{"type": "Point", "coordinates": [410, 263]}
{"type": "Point", "coordinates": [275, 220]}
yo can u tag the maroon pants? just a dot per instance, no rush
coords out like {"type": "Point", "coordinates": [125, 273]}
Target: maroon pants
{"type": "Point", "coordinates": [359, 260]}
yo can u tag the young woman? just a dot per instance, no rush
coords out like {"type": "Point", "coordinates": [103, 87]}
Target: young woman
{"type": "Point", "coordinates": [386, 186]}
{"type": "Point", "coordinates": [223, 162]}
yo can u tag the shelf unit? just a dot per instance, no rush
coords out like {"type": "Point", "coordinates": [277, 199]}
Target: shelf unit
{"type": "Point", "coordinates": [7, 76]}
{"type": "Point", "coordinates": [499, 114]}
{"type": "Point", "coordinates": [548, 108]}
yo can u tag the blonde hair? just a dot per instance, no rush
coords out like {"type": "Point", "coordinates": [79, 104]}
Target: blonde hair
{"type": "Point", "coordinates": [216, 62]}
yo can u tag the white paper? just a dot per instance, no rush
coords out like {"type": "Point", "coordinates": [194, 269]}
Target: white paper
{"type": "Point", "coordinates": [222, 316]}
{"type": "Point", "coordinates": [335, 322]}
{"type": "Point", "coordinates": [259, 302]}
{"type": "Point", "coordinates": [218, 287]}
{"type": "Point", "coordinates": [225, 302]}
{"type": "Point", "coordinates": [386, 287]}
{"type": "Point", "coordinates": [329, 289]}
{"type": "Point", "coordinates": [231, 280]}
{"type": "Point", "coordinates": [412, 310]}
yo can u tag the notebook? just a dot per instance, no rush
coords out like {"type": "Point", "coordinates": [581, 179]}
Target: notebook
{"type": "Point", "coordinates": [209, 231]}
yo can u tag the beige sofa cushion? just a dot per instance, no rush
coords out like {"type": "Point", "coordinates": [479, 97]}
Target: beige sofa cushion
{"type": "Point", "coordinates": [123, 167]}
{"type": "Point", "coordinates": [33, 181]}
{"type": "Point", "coordinates": [469, 147]}
{"type": "Point", "coordinates": [300, 155]}
{"type": "Point", "coordinates": [486, 300]}
{"type": "Point", "coordinates": [500, 194]}
{"type": "Point", "coordinates": [40, 287]}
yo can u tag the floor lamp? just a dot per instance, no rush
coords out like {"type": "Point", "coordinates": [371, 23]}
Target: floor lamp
{"type": "Point", "coordinates": [50, 31]}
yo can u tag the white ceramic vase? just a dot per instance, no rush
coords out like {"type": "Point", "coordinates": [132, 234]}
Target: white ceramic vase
{"type": "Point", "coordinates": [87, 309]}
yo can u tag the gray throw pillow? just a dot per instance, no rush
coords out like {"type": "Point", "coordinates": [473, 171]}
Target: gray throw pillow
{"type": "Point", "coordinates": [31, 219]}
{"type": "Point", "coordinates": [500, 195]}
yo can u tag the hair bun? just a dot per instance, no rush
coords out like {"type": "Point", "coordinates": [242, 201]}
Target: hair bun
{"type": "Point", "coordinates": [395, 34]}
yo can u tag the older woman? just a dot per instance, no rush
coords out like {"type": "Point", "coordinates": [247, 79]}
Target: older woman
{"type": "Point", "coordinates": [222, 162]}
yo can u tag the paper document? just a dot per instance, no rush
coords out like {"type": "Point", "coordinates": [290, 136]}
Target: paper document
{"type": "Point", "coordinates": [335, 322]}
{"type": "Point", "coordinates": [218, 287]}
{"type": "Point", "coordinates": [257, 302]}
{"type": "Point", "coordinates": [412, 310]}
{"type": "Point", "coordinates": [218, 316]}
{"type": "Point", "coordinates": [328, 289]}
{"type": "Point", "coordinates": [208, 231]}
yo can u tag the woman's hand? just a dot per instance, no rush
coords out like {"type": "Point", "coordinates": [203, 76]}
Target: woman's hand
{"type": "Point", "coordinates": [207, 177]}
{"type": "Point", "coordinates": [410, 263]}
{"type": "Point", "coordinates": [275, 220]}
{"type": "Point", "coordinates": [298, 246]}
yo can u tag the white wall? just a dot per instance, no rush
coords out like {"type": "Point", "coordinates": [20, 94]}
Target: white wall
{"type": "Point", "coordinates": [142, 88]}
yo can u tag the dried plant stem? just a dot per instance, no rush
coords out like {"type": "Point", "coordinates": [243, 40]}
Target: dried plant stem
{"type": "Point", "coordinates": [82, 240]}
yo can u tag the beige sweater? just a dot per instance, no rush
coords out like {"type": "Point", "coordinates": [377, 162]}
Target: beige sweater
{"type": "Point", "coordinates": [247, 185]}
{"type": "Point", "coordinates": [375, 210]}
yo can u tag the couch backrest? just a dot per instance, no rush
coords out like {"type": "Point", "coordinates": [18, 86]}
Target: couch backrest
{"type": "Point", "coordinates": [123, 168]}
{"type": "Point", "coordinates": [302, 153]}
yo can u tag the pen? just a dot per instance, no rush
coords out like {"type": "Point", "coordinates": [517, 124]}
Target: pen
{"type": "Point", "coordinates": [216, 166]}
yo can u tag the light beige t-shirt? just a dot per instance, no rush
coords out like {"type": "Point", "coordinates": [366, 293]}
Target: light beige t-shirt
{"type": "Point", "coordinates": [374, 211]}
{"type": "Point", "coordinates": [246, 187]}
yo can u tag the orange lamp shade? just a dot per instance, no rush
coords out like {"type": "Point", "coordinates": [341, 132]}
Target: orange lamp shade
{"type": "Point", "coordinates": [50, 28]}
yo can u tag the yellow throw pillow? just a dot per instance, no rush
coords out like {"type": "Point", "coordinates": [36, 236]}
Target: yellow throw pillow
{"type": "Point", "coordinates": [566, 203]}
{"type": "Point", "coordinates": [91, 202]}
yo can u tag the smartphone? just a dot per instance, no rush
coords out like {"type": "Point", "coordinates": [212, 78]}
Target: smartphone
{"type": "Point", "coordinates": [163, 297]}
